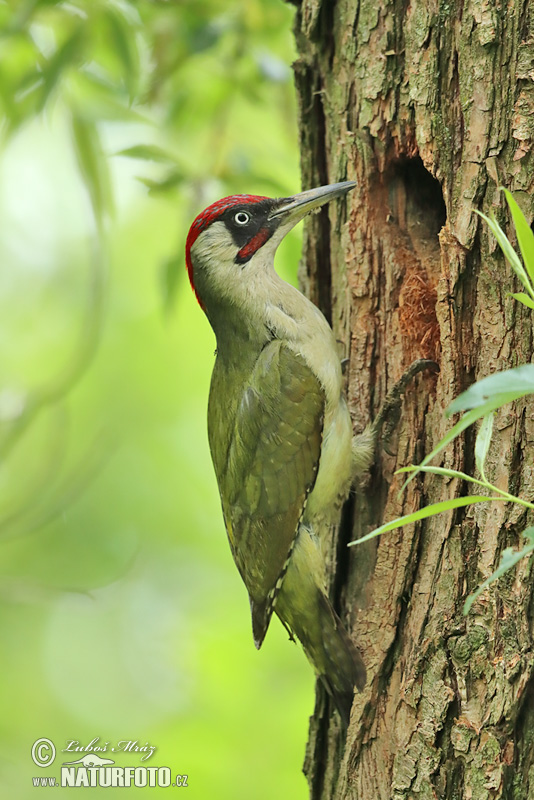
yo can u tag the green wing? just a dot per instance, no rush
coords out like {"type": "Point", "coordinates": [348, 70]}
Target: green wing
{"type": "Point", "coordinates": [269, 467]}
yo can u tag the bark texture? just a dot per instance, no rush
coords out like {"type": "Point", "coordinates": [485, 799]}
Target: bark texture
{"type": "Point", "coordinates": [429, 106]}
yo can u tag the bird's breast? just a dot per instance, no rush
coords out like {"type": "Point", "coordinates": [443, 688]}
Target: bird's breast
{"type": "Point", "coordinates": [335, 468]}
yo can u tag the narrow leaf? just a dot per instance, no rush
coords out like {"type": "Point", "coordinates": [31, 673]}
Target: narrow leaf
{"type": "Point", "coordinates": [525, 237]}
{"type": "Point", "coordinates": [427, 511]}
{"type": "Point", "coordinates": [23, 14]}
{"type": "Point", "coordinates": [123, 36]}
{"type": "Point", "coordinates": [92, 163]}
{"type": "Point", "coordinates": [148, 152]}
{"type": "Point", "coordinates": [482, 398]}
{"type": "Point", "coordinates": [509, 559]}
{"type": "Point", "coordinates": [173, 179]}
{"type": "Point", "coordinates": [509, 252]}
{"type": "Point", "coordinates": [497, 389]}
{"type": "Point", "coordinates": [464, 422]}
{"type": "Point", "coordinates": [447, 473]}
{"type": "Point", "coordinates": [482, 442]}
{"type": "Point", "coordinates": [65, 56]}
{"type": "Point", "coordinates": [523, 298]}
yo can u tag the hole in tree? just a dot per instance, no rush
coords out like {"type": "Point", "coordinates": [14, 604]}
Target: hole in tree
{"type": "Point", "coordinates": [416, 215]}
{"type": "Point", "coordinates": [416, 199]}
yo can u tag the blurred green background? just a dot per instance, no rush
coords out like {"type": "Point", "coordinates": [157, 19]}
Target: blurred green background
{"type": "Point", "coordinates": [122, 614]}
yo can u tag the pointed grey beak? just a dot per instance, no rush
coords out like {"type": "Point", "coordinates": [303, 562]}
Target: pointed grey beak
{"type": "Point", "coordinates": [301, 204]}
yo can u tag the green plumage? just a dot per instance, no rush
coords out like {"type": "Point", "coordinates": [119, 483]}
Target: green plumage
{"type": "Point", "coordinates": [265, 437]}
{"type": "Point", "coordinates": [279, 428]}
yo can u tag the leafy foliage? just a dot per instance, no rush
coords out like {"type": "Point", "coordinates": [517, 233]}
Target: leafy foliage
{"type": "Point", "coordinates": [525, 239]}
{"type": "Point", "coordinates": [480, 402]}
{"type": "Point", "coordinates": [121, 610]}
{"type": "Point", "coordinates": [182, 78]}
{"type": "Point", "coordinates": [509, 559]}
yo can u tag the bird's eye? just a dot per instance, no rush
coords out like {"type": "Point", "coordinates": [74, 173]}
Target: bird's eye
{"type": "Point", "coordinates": [242, 218]}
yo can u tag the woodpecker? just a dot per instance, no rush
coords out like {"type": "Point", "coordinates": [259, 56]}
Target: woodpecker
{"type": "Point", "coordinates": [279, 428]}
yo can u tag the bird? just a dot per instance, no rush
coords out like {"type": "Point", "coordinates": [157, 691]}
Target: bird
{"type": "Point", "coordinates": [279, 428]}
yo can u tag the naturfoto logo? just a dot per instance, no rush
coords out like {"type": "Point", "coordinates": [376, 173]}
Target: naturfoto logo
{"type": "Point", "coordinates": [92, 768]}
{"type": "Point", "coordinates": [125, 745]}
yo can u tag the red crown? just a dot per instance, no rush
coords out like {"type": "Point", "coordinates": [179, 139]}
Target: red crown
{"type": "Point", "coordinates": [205, 218]}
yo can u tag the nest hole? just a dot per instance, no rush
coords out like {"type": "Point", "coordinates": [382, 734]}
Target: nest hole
{"type": "Point", "coordinates": [418, 213]}
{"type": "Point", "coordinates": [416, 199]}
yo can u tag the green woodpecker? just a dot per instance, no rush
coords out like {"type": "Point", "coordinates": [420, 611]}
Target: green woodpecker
{"type": "Point", "coordinates": [279, 428]}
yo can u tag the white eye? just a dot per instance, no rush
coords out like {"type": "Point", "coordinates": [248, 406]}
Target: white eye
{"type": "Point", "coordinates": [242, 218]}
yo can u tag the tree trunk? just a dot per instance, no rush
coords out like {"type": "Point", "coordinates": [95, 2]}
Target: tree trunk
{"type": "Point", "coordinates": [429, 106]}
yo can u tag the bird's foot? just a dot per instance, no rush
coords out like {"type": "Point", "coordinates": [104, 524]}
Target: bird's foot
{"type": "Point", "coordinates": [387, 419]}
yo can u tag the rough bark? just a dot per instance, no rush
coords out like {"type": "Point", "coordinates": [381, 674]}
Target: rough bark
{"type": "Point", "coordinates": [429, 106]}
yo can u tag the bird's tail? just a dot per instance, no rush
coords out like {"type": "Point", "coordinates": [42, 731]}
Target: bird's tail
{"type": "Point", "coordinates": [337, 661]}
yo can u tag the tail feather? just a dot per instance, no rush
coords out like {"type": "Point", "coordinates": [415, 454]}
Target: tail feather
{"type": "Point", "coordinates": [305, 609]}
{"type": "Point", "coordinates": [337, 661]}
{"type": "Point", "coordinates": [344, 669]}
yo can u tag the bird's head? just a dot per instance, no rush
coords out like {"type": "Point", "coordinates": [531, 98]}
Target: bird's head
{"type": "Point", "coordinates": [232, 241]}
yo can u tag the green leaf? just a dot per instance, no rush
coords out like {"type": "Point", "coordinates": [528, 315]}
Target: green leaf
{"type": "Point", "coordinates": [463, 423]}
{"type": "Point", "coordinates": [509, 559]}
{"type": "Point", "coordinates": [92, 163]}
{"type": "Point", "coordinates": [148, 152]}
{"type": "Point", "coordinates": [525, 237]}
{"type": "Point", "coordinates": [447, 473]}
{"type": "Point", "coordinates": [423, 513]}
{"type": "Point", "coordinates": [462, 476]}
{"type": "Point", "coordinates": [482, 442]}
{"type": "Point", "coordinates": [24, 13]}
{"type": "Point", "coordinates": [523, 298]}
{"type": "Point", "coordinates": [481, 399]}
{"type": "Point", "coordinates": [509, 252]}
{"type": "Point", "coordinates": [496, 390]}
{"type": "Point", "coordinates": [123, 37]}
{"type": "Point", "coordinates": [101, 99]}
{"type": "Point", "coordinates": [171, 181]}
{"type": "Point", "coordinates": [65, 56]}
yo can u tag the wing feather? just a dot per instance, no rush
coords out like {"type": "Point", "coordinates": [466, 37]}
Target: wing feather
{"type": "Point", "coordinates": [271, 463]}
